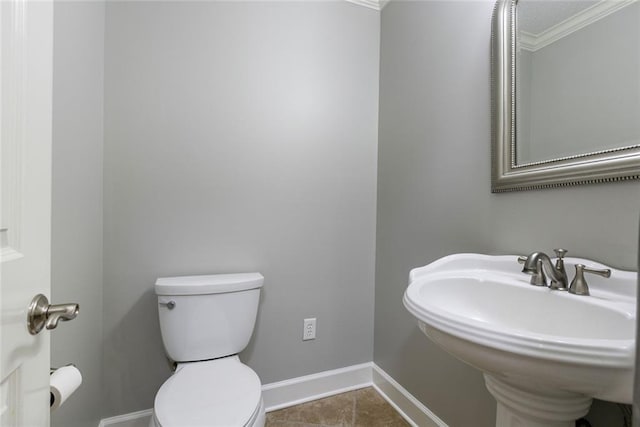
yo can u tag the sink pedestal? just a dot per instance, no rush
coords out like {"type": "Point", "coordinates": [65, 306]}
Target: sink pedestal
{"type": "Point", "coordinates": [523, 406]}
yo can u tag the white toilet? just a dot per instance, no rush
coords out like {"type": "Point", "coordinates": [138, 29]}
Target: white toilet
{"type": "Point", "coordinates": [205, 322]}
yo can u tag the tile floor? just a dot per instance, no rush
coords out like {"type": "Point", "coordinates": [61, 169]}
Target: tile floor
{"type": "Point", "coordinates": [359, 408]}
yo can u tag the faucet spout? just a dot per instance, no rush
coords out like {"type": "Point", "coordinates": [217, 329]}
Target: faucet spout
{"type": "Point", "coordinates": [531, 262]}
{"type": "Point", "coordinates": [536, 264]}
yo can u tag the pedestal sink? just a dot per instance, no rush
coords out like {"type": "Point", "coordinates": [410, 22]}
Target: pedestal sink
{"type": "Point", "coordinates": [545, 354]}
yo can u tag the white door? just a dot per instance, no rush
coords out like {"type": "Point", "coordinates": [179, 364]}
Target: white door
{"type": "Point", "coordinates": [26, 35]}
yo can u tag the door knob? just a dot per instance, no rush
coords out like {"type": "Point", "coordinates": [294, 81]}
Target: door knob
{"type": "Point", "coordinates": [41, 314]}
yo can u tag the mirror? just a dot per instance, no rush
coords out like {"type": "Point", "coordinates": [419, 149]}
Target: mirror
{"type": "Point", "coordinates": [565, 93]}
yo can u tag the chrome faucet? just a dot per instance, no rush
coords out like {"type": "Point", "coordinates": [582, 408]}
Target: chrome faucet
{"type": "Point", "coordinates": [536, 263]}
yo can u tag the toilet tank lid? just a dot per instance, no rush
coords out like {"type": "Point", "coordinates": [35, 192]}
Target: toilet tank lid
{"type": "Point", "coordinates": [208, 284]}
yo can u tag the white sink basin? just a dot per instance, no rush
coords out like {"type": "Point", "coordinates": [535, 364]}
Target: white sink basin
{"type": "Point", "coordinates": [536, 346]}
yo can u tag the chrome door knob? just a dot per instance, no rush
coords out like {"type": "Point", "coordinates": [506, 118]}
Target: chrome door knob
{"type": "Point", "coordinates": [41, 314]}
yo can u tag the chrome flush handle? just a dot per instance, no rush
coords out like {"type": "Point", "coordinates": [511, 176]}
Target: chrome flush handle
{"type": "Point", "coordinates": [170, 305]}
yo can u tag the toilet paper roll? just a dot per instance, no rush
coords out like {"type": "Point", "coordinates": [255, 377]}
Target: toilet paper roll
{"type": "Point", "coordinates": [63, 382]}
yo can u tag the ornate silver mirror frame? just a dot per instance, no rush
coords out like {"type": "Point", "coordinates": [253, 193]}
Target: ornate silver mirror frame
{"type": "Point", "coordinates": [600, 166]}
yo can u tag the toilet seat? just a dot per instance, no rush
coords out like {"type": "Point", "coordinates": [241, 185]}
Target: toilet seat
{"type": "Point", "coordinates": [220, 392]}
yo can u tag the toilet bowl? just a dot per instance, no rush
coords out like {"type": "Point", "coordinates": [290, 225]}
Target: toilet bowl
{"type": "Point", "coordinates": [205, 321]}
{"type": "Point", "coordinates": [221, 392]}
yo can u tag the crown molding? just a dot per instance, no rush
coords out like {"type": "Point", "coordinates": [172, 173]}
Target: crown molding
{"type": "Point", "coordinates": [371, 4]}
{"type": "Point", "coordinates": [534, 42]}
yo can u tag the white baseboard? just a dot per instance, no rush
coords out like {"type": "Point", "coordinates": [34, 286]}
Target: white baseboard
{"type": "Point", "coordinates": [133, 419]}
{"type": "Point", "coordinates": [316, 386]}
{"type": "Point", "coordinates": [402, 401]}
{"type": "Point", "coordinates": [303, 389]}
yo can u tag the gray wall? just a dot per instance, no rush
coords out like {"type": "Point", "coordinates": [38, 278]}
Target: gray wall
{"type": "Point", "coordinates": [240, 137]}
{"type": "Point", "coordinates": [434, 193]}
{"type": "Point", "coordinates": [77, 201]}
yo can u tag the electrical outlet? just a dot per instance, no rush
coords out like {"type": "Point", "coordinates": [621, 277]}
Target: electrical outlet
{"type": "Point", "coordinates": [309, 329]}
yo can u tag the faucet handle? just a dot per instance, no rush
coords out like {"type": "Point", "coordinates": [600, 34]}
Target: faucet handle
{"type": "Point", "coordinates": [560, 253]}
{"type": "Point", "coordinates": [579, 284]}
{"type": "Point", "coordinates": [537, 274]}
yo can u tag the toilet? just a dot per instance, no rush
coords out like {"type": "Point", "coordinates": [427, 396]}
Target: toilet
{"type": "Point", "coordinates": [205, 321]}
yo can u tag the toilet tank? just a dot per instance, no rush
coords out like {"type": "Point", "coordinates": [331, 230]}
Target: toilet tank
{"type": "Point", "coordinates": [206, 317]}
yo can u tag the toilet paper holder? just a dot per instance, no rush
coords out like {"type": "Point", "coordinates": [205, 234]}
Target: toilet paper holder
{"type": "Point", "coordinates": [52, 369]}
{"type": "Point", "coordinates": [64, 381]}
